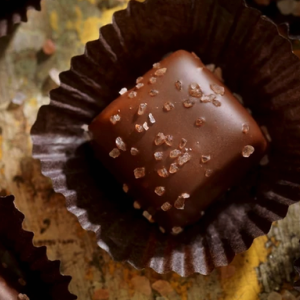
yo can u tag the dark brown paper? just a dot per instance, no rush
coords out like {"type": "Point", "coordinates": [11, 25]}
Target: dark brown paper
{"type": "Point", "coordinates": [257, 63]}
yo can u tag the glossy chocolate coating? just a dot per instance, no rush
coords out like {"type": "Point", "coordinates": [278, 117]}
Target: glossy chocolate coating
{"type": "Point", "coordinates": [220, 137]}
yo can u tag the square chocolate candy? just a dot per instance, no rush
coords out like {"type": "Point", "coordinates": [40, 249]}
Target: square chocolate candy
{"type": "Point", "coordinates": [177, 141]}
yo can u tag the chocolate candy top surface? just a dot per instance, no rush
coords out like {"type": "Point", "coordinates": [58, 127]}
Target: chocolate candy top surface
{"type": "Point", "coordinates": [177, 141]}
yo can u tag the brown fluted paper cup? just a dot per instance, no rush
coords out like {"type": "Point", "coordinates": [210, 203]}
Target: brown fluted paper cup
{"type": "Point", "coordinates": [27, 265]}
{"type": "Point", "coordinates": [281, 12]}
{"type": "Point", "coordinates": [257, 63]}
{"type": "Point", "coordinates": [13, 12]}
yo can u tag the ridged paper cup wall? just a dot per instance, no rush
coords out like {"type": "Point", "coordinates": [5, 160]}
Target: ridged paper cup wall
{"type": "Point", "coordinates": [257, 63]}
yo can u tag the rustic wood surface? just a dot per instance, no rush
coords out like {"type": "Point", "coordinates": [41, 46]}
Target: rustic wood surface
{"type": "Point", "coordinates": [263, 272]}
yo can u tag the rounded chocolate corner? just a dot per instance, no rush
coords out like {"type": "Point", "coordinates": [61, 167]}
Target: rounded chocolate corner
{"type": "Point", "coordinates": [13, 12]}
{"type": "Point", "coordinates": [43, 277]}
{"type": "Point", "coordinates": [265, 73]}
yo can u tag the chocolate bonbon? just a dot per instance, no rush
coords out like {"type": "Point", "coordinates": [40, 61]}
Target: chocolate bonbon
{"type": "Point", "coordinates": [192, 139]}
{"type": "Point", "coordinates": [148, 33]}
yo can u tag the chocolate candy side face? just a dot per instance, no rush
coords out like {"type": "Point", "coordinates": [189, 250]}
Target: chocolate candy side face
{"type": "Point", "coordinates": [177, 141]}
